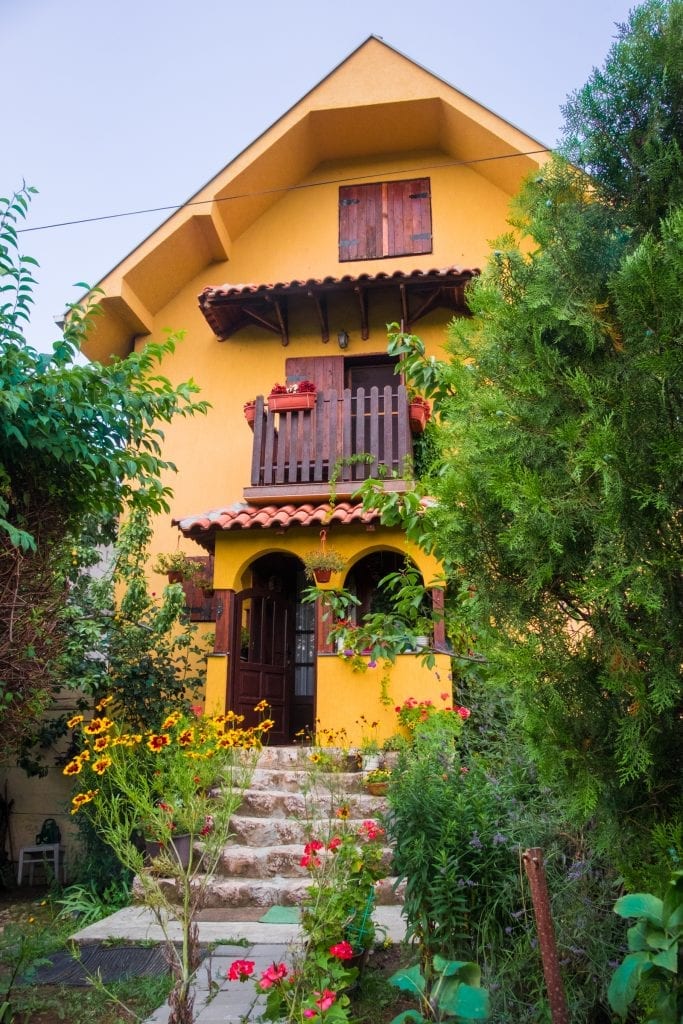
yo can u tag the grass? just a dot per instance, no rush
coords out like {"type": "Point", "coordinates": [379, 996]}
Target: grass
{"type": "Point", "coordinates": [31, 932]}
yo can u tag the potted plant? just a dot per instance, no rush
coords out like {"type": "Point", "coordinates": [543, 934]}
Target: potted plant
{"type": "Point", "coordinates": [179, 568]}
{"type": "Point", "coordinates": [377, 781]}
{"type": "Point", "coordinates": [419, 413]}
{"type": "Point", "coordinates": [284, 397]}
{"type": "Point", "coordinates": [250, 413]}
{"type": "Point", "coordinates": [319, 565]}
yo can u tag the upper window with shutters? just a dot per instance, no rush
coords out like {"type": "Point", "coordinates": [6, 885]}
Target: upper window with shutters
{"type": "Point", "coordinates": [385, 218]}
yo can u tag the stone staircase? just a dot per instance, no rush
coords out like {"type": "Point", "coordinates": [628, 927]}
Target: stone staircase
{"type": "Point", "coordinates": [288, 802]}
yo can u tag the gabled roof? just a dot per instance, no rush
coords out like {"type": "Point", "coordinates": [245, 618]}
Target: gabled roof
{"type": "Point", "coordinates": [375, 101]}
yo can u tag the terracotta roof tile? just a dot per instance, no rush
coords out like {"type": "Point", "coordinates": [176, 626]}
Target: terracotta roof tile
{"type": "Point", "coordinates": [446, 274]}
{"type": "Point", "coordinates": [228, 308]}
{"type": "Point", "coordinates": [242, 516]}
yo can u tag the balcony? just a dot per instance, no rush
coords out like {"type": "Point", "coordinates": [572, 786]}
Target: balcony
{"type": "Point", "coordinates": [297, 454]}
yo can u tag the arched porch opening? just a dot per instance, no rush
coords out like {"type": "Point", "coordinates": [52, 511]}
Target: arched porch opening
{"type": "Point", "coordinates": [273, 646]}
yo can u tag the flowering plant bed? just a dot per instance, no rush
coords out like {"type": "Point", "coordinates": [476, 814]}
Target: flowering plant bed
{"type": "Point", "coordinates": [337, 922]}
{"type": "Point", "coordinates": [414, 713]}
{"type": "Point", "coordinates": [160, 783]}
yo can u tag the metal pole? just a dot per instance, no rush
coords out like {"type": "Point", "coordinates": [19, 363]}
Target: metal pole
{"type": "Point", "coordinates": [533, 865]}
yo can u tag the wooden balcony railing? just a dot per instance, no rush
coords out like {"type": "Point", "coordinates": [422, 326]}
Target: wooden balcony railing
{"type": "Point", "coordinates": [296, 453]}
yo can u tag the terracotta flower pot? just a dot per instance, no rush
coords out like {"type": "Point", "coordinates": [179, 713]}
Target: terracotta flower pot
{"type": "Point", "coordinates": [285, 403]}
{"type": "Point", "coordinates": [377, 788]}
{"type": "Point", "coordinates": [322, 575]}
{"type": "Point", "coordinates": [250, 413]}
{"type": "Point", "coordinates": [418, 414]}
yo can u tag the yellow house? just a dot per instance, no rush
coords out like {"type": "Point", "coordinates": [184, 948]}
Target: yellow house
{"type": "Point", "coordinates": [371, 201]}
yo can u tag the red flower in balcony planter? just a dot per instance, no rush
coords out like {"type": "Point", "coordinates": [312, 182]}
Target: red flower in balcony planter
{"type": "Point", "coordinates": [292, 397]}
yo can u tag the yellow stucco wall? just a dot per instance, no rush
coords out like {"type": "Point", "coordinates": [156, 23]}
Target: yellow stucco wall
{"type": "Point", "coordinates": [344, 695]}
{"type": "Point", "coordinates": [296, 238]}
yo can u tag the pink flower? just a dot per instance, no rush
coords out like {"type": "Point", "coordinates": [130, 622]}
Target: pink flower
{"type": "Point", "coordinates": [310, 1013]}
{"type": "Point", "coordinates": [370, 830]}
{"type": "Point", "coordinates": [239, 970]}
{"type": "Point", "coordinates": [272, 974]}
{"type": "Point", "coordinates": [342, 950]}
{"type": "Point", "coordinates": [325, 1000]}
{"type": "Point", "coordinates": [463, 712]}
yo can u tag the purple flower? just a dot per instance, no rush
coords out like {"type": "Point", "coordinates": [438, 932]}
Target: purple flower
{"type": "Point", "coordinates": [498, 839]}
{"type": "Point", "coordinates": [475, 842]}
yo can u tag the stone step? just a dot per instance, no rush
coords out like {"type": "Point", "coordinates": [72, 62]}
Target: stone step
{"type": "Point", "coordinates": [294, 780]}
{"type": "Point", "coordinates": [272, 861]}
{"type": "Point", "coordinates": [249, 830]}
{"type": "Point", "coordinates": [319, 803]}
{"type": "Point", "coordinates": [279, 892]}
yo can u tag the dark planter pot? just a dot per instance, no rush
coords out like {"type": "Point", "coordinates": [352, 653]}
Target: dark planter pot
{"type": "Point", "coordinates": [291, 403]}
{"type": "Point", "coordinates": [178, 846]}
{"type": "Point", "coordinates": [174, 576]}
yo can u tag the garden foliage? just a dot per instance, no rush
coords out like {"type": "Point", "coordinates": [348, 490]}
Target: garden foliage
{"type": "Point", "coordinates": [557, 499]}
{"type": "Point", "coordinates": [75, 442]}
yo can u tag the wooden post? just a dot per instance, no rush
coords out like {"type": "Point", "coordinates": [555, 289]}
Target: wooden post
{"type": "Point", "coordinates": [535, 872]}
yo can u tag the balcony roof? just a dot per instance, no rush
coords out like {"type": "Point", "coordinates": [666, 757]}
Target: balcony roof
{"type": "Point", "coordinates": [241, 516]}
{"type": "Point", "coordinates": [229, 308]}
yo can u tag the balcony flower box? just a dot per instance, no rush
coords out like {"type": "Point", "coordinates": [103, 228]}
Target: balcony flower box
{"type": "Point", "coordinates": [287, 403]}
{"type": "Point", "coordinates": [291, 397]}
{"type": "Point", "coordinates": [419, 413]}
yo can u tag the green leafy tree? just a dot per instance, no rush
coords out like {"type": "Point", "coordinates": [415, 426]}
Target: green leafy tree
{"type": "Point", "coordinates": [559, 490]}
{"type": "Point", "coordinates": [75, 441]}
{"type": "Point", "coordinates": [624, 127]}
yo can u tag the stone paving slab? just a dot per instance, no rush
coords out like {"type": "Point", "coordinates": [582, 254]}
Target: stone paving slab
{"type": "Point", "coordinates": [217, 1000]}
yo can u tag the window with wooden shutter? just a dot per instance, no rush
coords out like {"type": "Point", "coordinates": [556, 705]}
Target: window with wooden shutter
{"type": "Point", "coordinates": [390, 218]}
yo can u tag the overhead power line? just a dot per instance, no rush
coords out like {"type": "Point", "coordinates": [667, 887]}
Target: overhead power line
{"type": "Point", "coordinates": [271, 191]}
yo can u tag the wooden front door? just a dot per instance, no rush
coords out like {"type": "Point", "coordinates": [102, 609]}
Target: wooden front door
{"type": "Point", "coordinates": [264, 669]}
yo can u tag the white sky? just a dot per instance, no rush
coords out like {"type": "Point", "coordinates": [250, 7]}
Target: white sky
{"type": "Point", "coordinates": [111, 107]}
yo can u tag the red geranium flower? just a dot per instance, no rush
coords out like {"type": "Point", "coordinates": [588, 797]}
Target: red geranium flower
{"type": "Point", "coordinates": [273, 974]}
{"type": "Point", "coordinates": [342, 950]}
{"type": "Point", "coordinates": [240, 970]}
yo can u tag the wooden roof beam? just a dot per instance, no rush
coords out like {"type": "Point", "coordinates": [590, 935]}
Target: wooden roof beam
{"type": "Point", "coordinates": [362, 294]}
{"type": "Point", "coordinates": [320, 303]}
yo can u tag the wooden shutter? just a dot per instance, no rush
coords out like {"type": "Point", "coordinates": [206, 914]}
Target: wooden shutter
{"type": "Point", "coordinates": [360, 222]}
{"type": "Point", "coordinates": [391, 218]}
{"type": "Point", "coordinates": [409, 217]}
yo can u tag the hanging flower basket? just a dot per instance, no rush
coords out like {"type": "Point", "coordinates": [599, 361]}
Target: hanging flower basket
{"type": "Point", "coordinates": [419, 413]}
{"type": "Point", "coordinates": [319, 565]}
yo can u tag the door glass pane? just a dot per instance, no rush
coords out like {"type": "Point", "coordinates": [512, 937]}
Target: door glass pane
{"type": "Point", "coordinates": [304, 650]}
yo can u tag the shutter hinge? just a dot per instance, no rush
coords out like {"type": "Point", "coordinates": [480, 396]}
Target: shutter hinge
{"type": "Point", "coordinates": [418, 195]}
{"type": "Point", "coordinates": [425, 236]}
{"type": "Point", "coordinates": [344, 243]}
{"type": "Point", "coordinates": [349, 202]}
